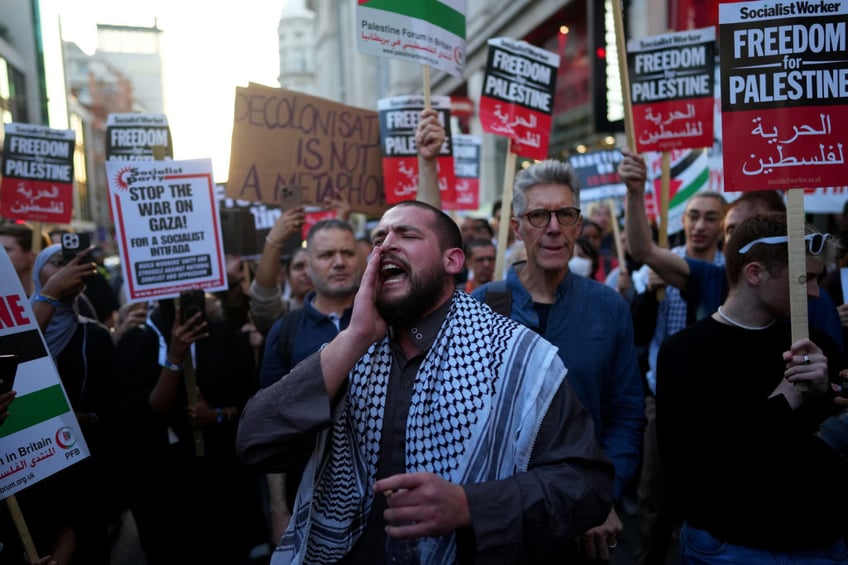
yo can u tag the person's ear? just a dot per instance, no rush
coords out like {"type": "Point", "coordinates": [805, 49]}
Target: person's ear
{"type": "Point", "coordinates": [753, 273]}
{"type": "Point", "coordinates": [453, 260]}
{"type": "Point", "coordinates": [513, 225]}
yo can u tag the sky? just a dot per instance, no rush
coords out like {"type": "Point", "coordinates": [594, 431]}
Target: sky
{"type": "Point", "coordinates": [208, 49]}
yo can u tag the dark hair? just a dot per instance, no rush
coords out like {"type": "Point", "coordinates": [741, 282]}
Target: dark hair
{"type": "Point", "coordinates": [496, 207]}
{"type": "Point", "coordinates": [773, 256]}
{"type": "Point", "coordinates": [763, 200]}
{"type": "Point", "coordinates": [23, 234]}
{"type": "Point", "coordinates": [590, 252]}
{"type": "Point", "coordinates": [474, 243]}
{"type": "Point", "coordinates": [482, 223]}
{"type": "Point", "coordinates": [591, 224]}
{"type": "Point", "coordinates": [714, 195]}
{"type": "Point", "coordinates": [291, 258]}
{"type": "Point", "coordinates": [330, 224]}
{"type": "Point", "coordinates": [443, 225]}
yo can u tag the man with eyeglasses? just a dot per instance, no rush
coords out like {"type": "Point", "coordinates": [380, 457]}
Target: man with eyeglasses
{"type": "Point", "coordinates": [589, 323]}
{"type": "Point", "coordinates": [738, 407]}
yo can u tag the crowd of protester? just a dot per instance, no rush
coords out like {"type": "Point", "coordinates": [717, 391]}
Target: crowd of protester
{"type": "Point", "coordinates": [362, 400]}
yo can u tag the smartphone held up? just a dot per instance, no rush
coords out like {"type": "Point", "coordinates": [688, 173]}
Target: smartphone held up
{"type": "Point", "coordinates": [73, 244]}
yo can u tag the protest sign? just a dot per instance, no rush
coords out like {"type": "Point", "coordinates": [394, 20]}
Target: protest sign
{"type": "Point", "coordinates": [671, 84]}
{"type": "Point", "coordinates": [399, 118]}
{"type": "Point", "coordinates": [518, 95]}
{"type": "Point", "coordinates": [429, 32]}
{"type": "Point", "coordinates": [466, 168]}
{"type": "Point", "coordinates": [41, 436]}
{"type": "Point", "coordinates": [167, 227]}
{"type": "Point", "coordinates": [133, 137]}
{"type": "Point", "coordinates": [288, 140]}
{"type": "Point", "coordinates": [597, 174]}
{"type": "Point", "coordinates": [784, 86]}
{"type": "Point", "coordinates": [38, 173]}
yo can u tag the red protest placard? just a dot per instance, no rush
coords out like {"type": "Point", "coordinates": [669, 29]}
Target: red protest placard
{"type": "Point", "coordinates": [38, 174]}
{"type": "Point", "coordinates": [672, 85]}
{"type": "Point", "coordinates": [399, 118]}
{"type": "Point", "coordinates": [518, 95]}
{"type": "Point", "coordinates": [784, 89]}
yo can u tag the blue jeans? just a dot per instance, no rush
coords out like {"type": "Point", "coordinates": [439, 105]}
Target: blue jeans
{"type": "Point", "coordinates": [699, 547]}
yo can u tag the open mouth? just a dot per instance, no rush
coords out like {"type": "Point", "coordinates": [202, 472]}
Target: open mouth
{"type": "Point", "coordinates": [392, 272]}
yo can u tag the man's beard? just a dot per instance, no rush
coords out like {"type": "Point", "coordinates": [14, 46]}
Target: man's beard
{"type": "Point", "coordinates": [424, 290]}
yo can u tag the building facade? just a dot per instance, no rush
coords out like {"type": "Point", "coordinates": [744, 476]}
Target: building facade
{"type": "Point", "coordinates": [567, 27]}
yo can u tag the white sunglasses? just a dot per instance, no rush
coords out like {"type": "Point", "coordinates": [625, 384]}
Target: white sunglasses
{"type": "Point", "coordinates": [815, 242]}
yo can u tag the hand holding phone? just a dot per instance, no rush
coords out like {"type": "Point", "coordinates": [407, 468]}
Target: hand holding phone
{"type": "Point", "coordinates": [73, 244]}
{"type": "Point", "coordinates": [191, 303]}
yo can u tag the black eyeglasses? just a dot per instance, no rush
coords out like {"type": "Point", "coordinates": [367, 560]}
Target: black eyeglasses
{"type": "Point", "coordinates": [565, 216]}
{"type": "Point", "coordinates": [815, 242]}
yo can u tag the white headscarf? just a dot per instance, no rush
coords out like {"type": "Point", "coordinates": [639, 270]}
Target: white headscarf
{"type": "Point", "coordinates": [63, 324]}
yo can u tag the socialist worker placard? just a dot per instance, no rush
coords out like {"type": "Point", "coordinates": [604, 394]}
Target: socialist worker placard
{"type": "Point", "coordinates": [671, 84]}
{"type": "Point", "coordinates": [784, 90]}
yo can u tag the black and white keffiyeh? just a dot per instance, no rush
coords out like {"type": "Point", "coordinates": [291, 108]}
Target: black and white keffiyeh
{"type": "Point", "coordinates": [479, 398]}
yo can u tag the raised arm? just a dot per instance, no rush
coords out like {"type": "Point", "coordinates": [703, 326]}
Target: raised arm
{"type": "Point", "coordinates": [265, 291]}
{"type": "Point", "coordinates": [366, 326]}
{"type": "Point", "coordinates": [429, 139]}
{"type": "Point", "coordinates": [278, 424]}
{"type": "Point", "coordinates": [670, 267]}
{"type": "Point", "coordinates": [63, 285]}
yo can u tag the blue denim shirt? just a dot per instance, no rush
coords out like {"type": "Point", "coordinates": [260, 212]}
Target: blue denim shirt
{"type": "Point", "coordinates": [592, 327]}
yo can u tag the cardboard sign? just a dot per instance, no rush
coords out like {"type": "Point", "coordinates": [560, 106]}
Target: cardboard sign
{"type": "Point", "coordinates": [133, 137]}
{"type": "Point", "coordinates": [783, 94]}
{"type": "Point", "coordinates": [518, 95]}
{"type": "Point", "coordinates": [41, 436]}
{"type": "Point", "coordinates": [38, 174]}
{"type": "Point", "coordinates": [431, 32]}
{"type": "Point", "coordinates": [671, 84]}
{"type": "Point", "coordinates": [288, 140]}
{"type": "Point", "coordinates": [399, 118]}
{"type": "Point", "coordinates": [466, 167]}
{"type": "Point", "coordinates": [167, 227]}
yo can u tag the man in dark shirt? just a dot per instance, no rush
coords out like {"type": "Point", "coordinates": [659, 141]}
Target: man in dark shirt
{"type": "Point", "coordinates": [738, 405]}
{"type": "Point", "coordinates": [431, 413]}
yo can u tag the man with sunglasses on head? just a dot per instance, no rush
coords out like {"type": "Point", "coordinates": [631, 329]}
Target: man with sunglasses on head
{"type": "Point", "coordinates": [704, 284]}
{"type": "Point", "coordinates": [738, 408]}
{"type": "Point", "coordinates": [589, 323]}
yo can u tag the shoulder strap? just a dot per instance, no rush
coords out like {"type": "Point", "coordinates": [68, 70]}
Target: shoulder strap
{"type": "Point", "coordinates": [499, 298]}
{"type": "Point", "coordinates": [288, 335]}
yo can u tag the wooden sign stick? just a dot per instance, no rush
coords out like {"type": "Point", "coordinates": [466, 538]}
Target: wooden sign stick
{"type": "Point", "coordinates": [506, 212]}
{"type": "Point", "coordinates": [797, 263]}
{"type": "Point", "coordinates": [23, 530]}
